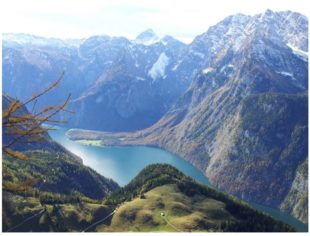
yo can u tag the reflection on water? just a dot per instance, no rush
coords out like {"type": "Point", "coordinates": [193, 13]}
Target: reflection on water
{"type": "Point", "coordinates": [122, 164]}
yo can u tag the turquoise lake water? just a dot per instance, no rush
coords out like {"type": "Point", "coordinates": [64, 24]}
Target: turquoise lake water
{"type": "Point", "coordinates": [122, 164]}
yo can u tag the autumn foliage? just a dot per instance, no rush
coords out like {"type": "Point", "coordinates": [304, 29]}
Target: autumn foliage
{"type": "Point", "coordinates": [26, 127]}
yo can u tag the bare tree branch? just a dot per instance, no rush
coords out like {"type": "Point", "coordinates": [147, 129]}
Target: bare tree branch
{"type": "Point", "coordinates": [27, 128]}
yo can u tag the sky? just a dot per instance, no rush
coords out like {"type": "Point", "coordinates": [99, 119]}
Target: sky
{"type": "Point", "coordinates": [80, 19]}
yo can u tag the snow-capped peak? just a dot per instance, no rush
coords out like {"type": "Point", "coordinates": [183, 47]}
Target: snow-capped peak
{"type": "Point", "coordinates": [147, 37]}
{"type": "Point", "coordinates": [147, 34]}
{"type": "Point", "coordinates": [28, 39]}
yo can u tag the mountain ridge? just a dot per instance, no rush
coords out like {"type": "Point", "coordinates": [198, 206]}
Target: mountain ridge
{"type": "Point", "coordinates": [206, 121]}
{"type": "Point", "coordinates": [157, 195]}
{"type": "Point", "coordinates": [256, 63]}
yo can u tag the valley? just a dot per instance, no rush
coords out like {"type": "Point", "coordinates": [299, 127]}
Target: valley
{"type": "Point", "coordinates": [122, 164]}
{"type": "Point", "coordinates": [158, 135]}
{"type": "Point", "coordinates": [127, 161]}
{"type": "Point", "coordinates": [243, 120]}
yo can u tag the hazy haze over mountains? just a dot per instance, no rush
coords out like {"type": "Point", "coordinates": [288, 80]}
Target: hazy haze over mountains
{"type": "Point", "coordinates": [233, 102]}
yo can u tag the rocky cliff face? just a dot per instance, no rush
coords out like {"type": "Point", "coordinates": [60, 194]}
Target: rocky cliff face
{"type": "Point", "coordinates": [116, 83]}
{"type": "Point", "coordinates": [135, 91]}
{"type": "Point", "coordinates": [243, 120]}
{"type": "Point", "coordinates": [296, 202]}
{"type": "Point", "coordinates": [245, 129]}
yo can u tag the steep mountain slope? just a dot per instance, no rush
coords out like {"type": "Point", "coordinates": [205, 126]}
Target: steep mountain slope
{"type": "Point", "coordinates": [48, 158]}
{"type": "Point", "coordinates": [247, 128]}
{"type": "Point", "coordinates": [56, 172]}
{"type": "Point", "coordinates": [135, 91]}
{"type": "Point", "coordinates": [131, 83]}
{"type": "Point", "coordinates": [47, 143]}
{"type": "Point", "coordinates": [49, 175]}
{"type": "Point", "coordinates": [296, 202]}
{"type": "Point", "coordinates": [243, 120]}
{"type": "Point", "coordinates": [31, 63]}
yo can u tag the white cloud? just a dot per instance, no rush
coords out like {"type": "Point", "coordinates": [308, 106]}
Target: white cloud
{"type": "Point", "coordinates": [76, 18]}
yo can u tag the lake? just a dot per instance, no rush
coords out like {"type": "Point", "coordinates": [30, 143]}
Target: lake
{"type": "Point", "coordinates": [122, 164]}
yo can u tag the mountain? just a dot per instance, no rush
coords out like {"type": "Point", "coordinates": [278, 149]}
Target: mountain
{"type": "Point", "coordinates": [49, 175]}
{"type": "Point", "coordinates": [45, 159]}
{"type": "Point", "coordinates": [24, 143]}
{"type": "Point", "coordinates": [248, 127]}
{"type": "Point", "coordinates": [135, 91]}
{"type": "Point", "coordinates": [234, 102]}
{"type": "Point", "coordinates": [147, 37]}
{"type": "Point", "coordinates": [129, 84]}
{"type": "Point", "coordinates": [20, 40]}
{"type": "Point", "coordinates": [243, 121]}
{"type": "Point", "coordinates": [160, 198]}
{"type": "Point", "coordinates": [31, 63]}
{"type": "Point", "coordinates": [296, 200]}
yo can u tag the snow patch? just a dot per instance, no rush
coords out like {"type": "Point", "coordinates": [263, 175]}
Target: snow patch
{"type": "Point", "coordinates": [28, 39]}
{"type": "Point", "coordinates": [207, 70]}
{"type": "Point", "coordinates": [159, 67]}
{"type": "Point", "coordinates": [286, 74]}
{"type": "Point", "coordinates": [226, 66]}
{"type": "Point", "coordinates": [164, 42]}
{"type": "Point", "coordinates": [176, 66]}
{"type": "Point", "coordinates": [147, 42]}
{"type": "Point", "coordinates": [222, 69]}
{"type": "Point", "coordinates": [197, 54]}
{"type": "Point", "coordinates": [147, 38]}
{"type": "Point", "coordinates": [239, 42]}
{"type": "Point", "coordinates": [298, 52]}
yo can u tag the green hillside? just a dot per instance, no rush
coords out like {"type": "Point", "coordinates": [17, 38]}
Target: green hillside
{"type": "Point", "coordinates": [53, 182]}
{"type": "Point", "coordinates": [186, 205]}
{"type": "Point", "coordinates": [160, 198]}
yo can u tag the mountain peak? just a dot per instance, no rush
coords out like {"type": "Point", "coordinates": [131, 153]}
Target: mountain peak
{"type": "Point", "coordinates": [269, 12]}
{"type": "Point", "coordinates": [147, 34]}
{"type": "Point", "coordinates": [147, 37]}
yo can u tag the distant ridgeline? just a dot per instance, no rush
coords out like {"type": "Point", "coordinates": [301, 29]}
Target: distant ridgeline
{"type": "Point", "coordinates": [234, 103]}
